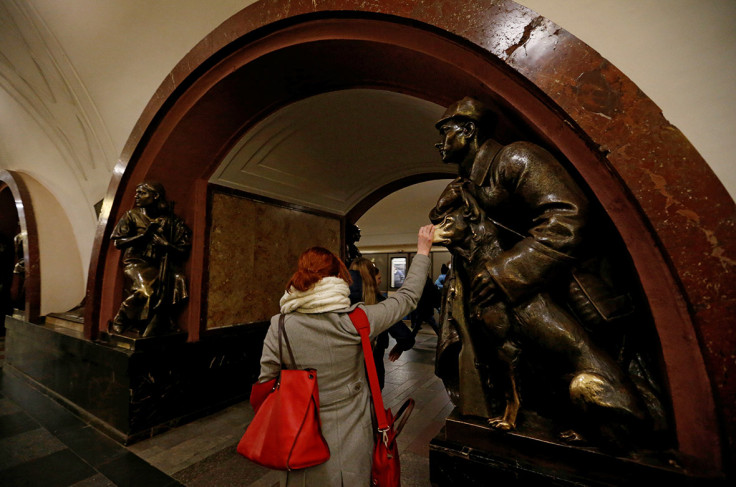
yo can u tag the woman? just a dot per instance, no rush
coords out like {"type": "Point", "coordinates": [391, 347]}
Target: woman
{"type": "Point", "coordinates": [366, 280]}
{"type": "Point", "coordinates": [316, 306]}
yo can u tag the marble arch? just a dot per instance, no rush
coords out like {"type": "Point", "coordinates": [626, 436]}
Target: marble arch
{"type": "Point", "coordinates": [644, 172]}
{"type": "Point", "coordinates": [12, 183]}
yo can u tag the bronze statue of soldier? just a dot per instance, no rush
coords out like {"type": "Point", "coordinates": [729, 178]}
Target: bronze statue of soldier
{"type": "Point", "coordinates": [7, 256]}
{"type": "Point", "coordinates": [498, 304]}
{"type": "Point", "coordinates": [18, 286]}
{"type": "Point", "coordinates": [155, 242]}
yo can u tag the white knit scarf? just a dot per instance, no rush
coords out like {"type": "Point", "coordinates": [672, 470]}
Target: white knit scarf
{"type": "Point", "coordinates": [328, 294]}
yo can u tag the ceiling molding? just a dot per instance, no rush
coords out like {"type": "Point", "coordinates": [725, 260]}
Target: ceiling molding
{"type": "Point", "coordinates": [36, 73]}
{"type": "Point", "coordinates": [306, 152]}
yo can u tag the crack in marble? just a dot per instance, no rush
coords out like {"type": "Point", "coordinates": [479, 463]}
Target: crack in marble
{"type": "Point", "coordinates": [717, 250]}
{"type": "Point", "coordinates": [660, 185]}
{"type": "Point", "coordinates": [525, 36]}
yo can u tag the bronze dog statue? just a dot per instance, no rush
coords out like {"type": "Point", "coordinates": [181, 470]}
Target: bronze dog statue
{"type": "Point", "coordinates": [472, 238]}
{"type": "Point", "coordinates": [597, 385]}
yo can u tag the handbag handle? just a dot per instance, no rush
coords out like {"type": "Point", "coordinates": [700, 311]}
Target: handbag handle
{"type": "Point", "coordinates": [282, 332]}
{"type": "Point", "coordinates": [360, 321]}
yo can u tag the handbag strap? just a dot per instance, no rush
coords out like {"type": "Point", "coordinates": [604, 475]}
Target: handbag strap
{"type": "Point", "coordinates": [282, 333]}
{"type": "Point", "coordinates": [403, 415]}
{"type": "Point", "coordinates": [360, 321]}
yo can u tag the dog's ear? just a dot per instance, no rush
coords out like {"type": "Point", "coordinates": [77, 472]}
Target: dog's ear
{"type": "Point", "coordinates": [447, 201]}
{"type": "Point", "coordinates": [471, 210]}
{"type": "Point", "coordinates": [438, 213]}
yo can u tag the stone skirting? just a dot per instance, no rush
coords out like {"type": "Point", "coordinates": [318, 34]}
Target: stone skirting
{"type": "Point", "coordinates": [134, 394]}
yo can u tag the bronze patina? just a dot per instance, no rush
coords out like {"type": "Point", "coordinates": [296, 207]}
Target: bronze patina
{"type": "Point", "coordinates": [352, 237]}
{"type": "Point", "coordinates": [155, 243]}
{"type": "Point", "coordinates": [522, 295]}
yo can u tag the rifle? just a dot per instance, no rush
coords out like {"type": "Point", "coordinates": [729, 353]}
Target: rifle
{"type": "Point", "coordinates": [162, 291]}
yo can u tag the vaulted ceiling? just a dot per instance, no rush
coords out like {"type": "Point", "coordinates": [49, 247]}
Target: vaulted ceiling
{"type": "Point", "coordinates": [330, 151]}
{"type": "Point", "coordinates": [84, 70]}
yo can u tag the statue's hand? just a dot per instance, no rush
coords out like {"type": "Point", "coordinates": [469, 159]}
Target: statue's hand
{"type": "Point", "coordinates": [152, 230]}
{"type": "Point", "coordinates": [159, 240]}
{"type": "Point", "coordinates": [482, 289]}
{"type": "Point", "coordinates": [149, 230]}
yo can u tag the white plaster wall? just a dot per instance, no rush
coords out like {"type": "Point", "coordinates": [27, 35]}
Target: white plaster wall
{"type": "Point", "coordinates": [124, 49]}
{"type": "Point", "coordinates": [680, 53]}
{"type": "Point", "coordinates": [62, 279]}
{"type": "Point", "coordinates": [57, 194]}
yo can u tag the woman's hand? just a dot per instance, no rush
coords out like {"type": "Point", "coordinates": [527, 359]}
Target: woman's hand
{"type": "Point", "coordinates": [424, 240]}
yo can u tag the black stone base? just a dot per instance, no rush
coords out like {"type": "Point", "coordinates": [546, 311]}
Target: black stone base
{"type": "Point", "coordinates": [133, 389]}
{"type": "Point", "coordinates": [137, 344]}
{"type": "Point", "coordinates": [468, 453]}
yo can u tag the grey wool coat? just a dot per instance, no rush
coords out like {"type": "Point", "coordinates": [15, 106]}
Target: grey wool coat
{"type": "Point", "coordinates": [329, 343]}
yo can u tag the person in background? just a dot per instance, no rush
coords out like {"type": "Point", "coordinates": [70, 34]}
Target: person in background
{"type": "Point", "coordinates": [365, 288]}
{"type": "Point", "coordinates": [352, 237]}
{"type": "Point", "coordinates": [440, 281]}
{"type": "Point", "coordinates": [425, 309]}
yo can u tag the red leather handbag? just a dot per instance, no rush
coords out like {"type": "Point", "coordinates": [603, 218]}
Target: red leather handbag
{"type": "Point", "coordinates": [386, 469]}
{"type": "Point", "coordinates": [286, 431]}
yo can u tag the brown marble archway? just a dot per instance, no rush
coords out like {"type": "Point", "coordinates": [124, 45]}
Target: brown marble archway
{"type": "Point", "coordinates": [23, 215]}
{"type": "Point", "coordinates": [649, 179]}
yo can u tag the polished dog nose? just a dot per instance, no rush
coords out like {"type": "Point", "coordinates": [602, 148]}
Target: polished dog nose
{"type": "Point", "coordinates": [439, 233]}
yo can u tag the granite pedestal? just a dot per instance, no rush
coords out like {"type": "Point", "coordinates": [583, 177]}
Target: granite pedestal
{"type": "Point", "coordinates": [469, 453]}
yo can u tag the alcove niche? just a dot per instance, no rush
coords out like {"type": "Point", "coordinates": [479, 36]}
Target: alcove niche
{"type": "Point", "coordinates": [20, 235]}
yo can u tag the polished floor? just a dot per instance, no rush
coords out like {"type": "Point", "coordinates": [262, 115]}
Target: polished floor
{"type": "Point", "coordinates": [43, 444]}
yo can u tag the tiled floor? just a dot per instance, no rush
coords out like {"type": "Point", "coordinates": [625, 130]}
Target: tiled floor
{"type": "Point", "coordinates": [42, 444]}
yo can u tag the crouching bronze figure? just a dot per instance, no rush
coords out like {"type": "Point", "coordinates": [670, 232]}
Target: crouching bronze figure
{"type": "Point", "coordinates": [515, 222]}
{"type": "Point", "coordinates": [155, 243]}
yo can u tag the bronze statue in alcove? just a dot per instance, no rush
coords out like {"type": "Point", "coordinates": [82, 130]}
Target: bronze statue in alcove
{"type": "Point", "coordinates": [155, 243]}
{"type": "Point", "coordinates": [18, 287]}
{"type": "Point", "coordinates": [526, 298]}
{"type": "Point", "coordinates": [7, 257]}
{"type": "Point", "coordinates": [352, 237]}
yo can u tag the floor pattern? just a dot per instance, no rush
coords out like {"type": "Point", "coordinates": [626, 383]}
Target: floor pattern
{"type": "Point", "coordinates": [43, 444]}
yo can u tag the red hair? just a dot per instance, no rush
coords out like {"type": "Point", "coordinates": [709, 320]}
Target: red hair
{"type": "Point", "coordinates": [314, 264]}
